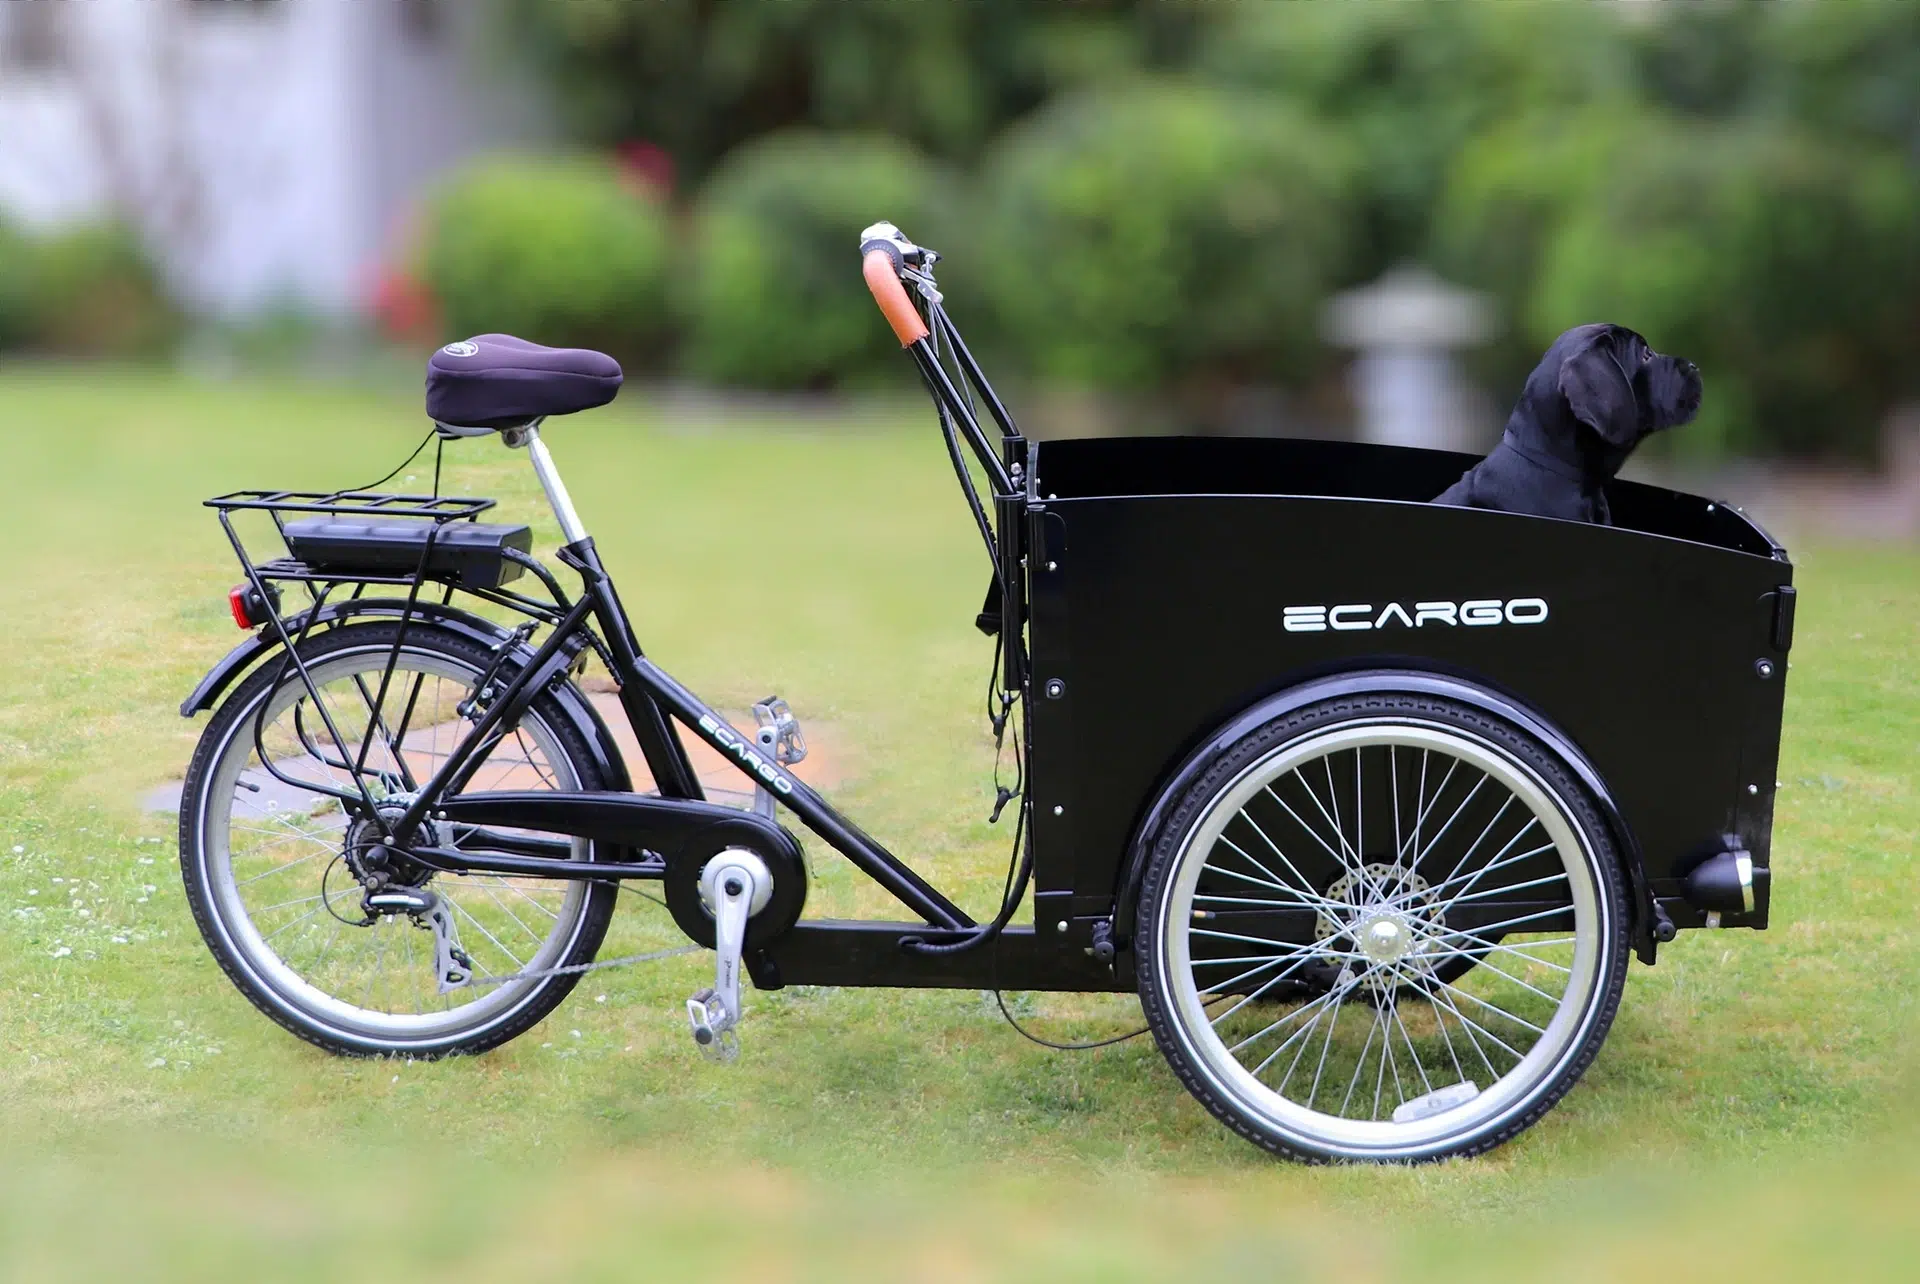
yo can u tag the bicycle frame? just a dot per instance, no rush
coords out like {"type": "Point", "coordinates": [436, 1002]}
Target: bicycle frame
{"type": "Point", "coordinates": [812, 951]}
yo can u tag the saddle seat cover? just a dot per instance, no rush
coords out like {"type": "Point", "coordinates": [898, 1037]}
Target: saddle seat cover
{"type": "Point", "coordinates": [497, 380]}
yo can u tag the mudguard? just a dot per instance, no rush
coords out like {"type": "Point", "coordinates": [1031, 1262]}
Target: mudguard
{"type": "Point", "coordinates": [262, 643]}
{"type": "Point", "coordinates": [1643, 915]}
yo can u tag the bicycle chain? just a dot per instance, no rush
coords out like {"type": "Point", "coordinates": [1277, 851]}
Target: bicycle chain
{"type": "Point", "coordinates": [539, 974]}
{"type": "Point", "coordinates": [542, 973]}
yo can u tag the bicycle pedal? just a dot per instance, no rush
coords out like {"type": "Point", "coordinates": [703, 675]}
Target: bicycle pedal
{"type": "Point", "coordinates": [712, 1026]}
{"type": "Point", "coordinates": [778, 735]}
{"type": "Point", "coordinates": [779, 731]}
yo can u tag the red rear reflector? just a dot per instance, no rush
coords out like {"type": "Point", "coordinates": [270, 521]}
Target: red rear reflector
{"type": "Point", "coordinates": [237, 600]}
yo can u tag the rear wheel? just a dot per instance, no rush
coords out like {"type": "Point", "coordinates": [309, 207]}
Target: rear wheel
{"type": "Point", "coordinates": [275, 860]}
{"type": "Point", "coordinates": [1383, 928]}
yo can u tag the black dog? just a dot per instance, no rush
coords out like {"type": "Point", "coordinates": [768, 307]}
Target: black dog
{"type": "Point", "coordinates": [1596, 394]}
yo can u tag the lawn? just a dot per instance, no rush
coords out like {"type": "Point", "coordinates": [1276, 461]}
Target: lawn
{"type": "Point", "coordinates": [1746, 1116]}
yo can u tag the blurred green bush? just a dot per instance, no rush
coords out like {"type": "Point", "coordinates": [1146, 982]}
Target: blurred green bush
{"type": "Point", "coordinates": [1410, 84]}
{"type": "Point", "coordinates": [1156, 196]}
{"type": "Point", "coordinates": [88, 289]}
{"type": "Point", "coordinates": [1785, 263]}
{"type": "Point", "coordinates": [16, 287]}
{"type": "Point", "coordinates": [775, 297]}
{"type": "Point", "coordinates": [564, 251]}
{"type": "Point", "coordinates": [1163, 233]}
{"type": "Point", "coordinates": [701, 77]}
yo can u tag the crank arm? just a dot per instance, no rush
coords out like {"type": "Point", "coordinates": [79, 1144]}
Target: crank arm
{"type": "Point", "coordinates": [734, 886]}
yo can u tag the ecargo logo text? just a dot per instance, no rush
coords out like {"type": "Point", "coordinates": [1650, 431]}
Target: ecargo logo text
{"type": "Point", "coordinates": [1355, 616]}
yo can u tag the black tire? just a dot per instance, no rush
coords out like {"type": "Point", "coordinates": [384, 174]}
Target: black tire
{"type": "Point", "coordinates": [487, 1016]}
{"type": "Point", "coordinates": [1393, 921]}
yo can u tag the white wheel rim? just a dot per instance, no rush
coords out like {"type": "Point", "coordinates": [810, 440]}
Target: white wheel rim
{"type": "Point", "coordinates": [461, 1015]}
{"type": "Point", "coordinates": [1383, 936]}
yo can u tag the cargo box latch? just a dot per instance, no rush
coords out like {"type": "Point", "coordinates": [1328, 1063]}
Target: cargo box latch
{"type": "Point", "coordinates": [1783, 598]}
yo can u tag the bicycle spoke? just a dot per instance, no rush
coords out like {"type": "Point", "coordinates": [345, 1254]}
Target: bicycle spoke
{"type": "Point", "coordinates": [1470, 1024]}
{"type": "Point", "coordinates": [1434, 841]}
{"type": "Point", "coordinates": [1495, 1008]}
{"type": "Point", "coordinates": [1413, 1053]}
{"type": "Point", "coordinates": [1305, 1043]}
{"type": "Point", "coordinates": [1339, 857]}
{"type": "Point", "coordinates": [1424, 809]}
{"type": "Point", "coordinates": [1318, 1007]}
{"type": "Point", "coordinates": [278, 869]}
{"type": "Point", "coordinates": [1488, 868]}
{"type": "Point", "coordinates": [295, 923]}
{"type": "Point", "coordinates": [1467, 1027]}
{"type": "Point", "coordinates": [1502, 891]}
{"type": "Point", "coordinates": [1524, 918]}
{"type": "Point", "coordinates": [1360, 1065]}
{"type": "Point", "coordinates": [1255, 995]}
{"type": "Point", "coordinates": [1325, 1046]}
{"type": "Point", "coordinates": [518, 962]}
{"type": "Point", "coordinates": [1264, 1031]}
{"type": "Point", "coordinates": [1479, 950]}
{"type": "Point", "coordinates": [1305, 887]}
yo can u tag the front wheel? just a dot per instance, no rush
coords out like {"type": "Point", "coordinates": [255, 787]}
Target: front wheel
{"type": "Point", "coordinates": [1386, 928]}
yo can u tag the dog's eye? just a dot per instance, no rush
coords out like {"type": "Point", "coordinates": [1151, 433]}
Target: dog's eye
{"type": "Point", "coordinates": [1646, 355]}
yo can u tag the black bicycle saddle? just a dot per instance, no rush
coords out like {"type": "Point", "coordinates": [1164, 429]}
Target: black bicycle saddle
{"type": "Point", "coordinates": [497, 381]}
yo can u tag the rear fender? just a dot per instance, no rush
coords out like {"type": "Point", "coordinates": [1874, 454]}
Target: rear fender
{"type": "Point", "coordinates": [477, 628]}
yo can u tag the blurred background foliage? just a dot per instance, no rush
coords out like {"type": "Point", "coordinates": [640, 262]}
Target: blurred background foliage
{"type": "Point", "coordinates": [84, 290]}
{"type": "Point", "coordinates": [1147, 234]}
{"type": "Point", "coordinates": [1154, 195]}
{"type": "Point", "coordinates": [767, 295]}
{"type": "Point", "coordinates": [1160, 196]}
{"type": "Point", "coordinates": [570, 250]}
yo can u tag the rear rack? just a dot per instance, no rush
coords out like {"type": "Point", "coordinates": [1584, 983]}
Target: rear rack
{"type": "Point", "coordinates": [349, 503]}
{"type": "Point", "coordinates": [447, 560]}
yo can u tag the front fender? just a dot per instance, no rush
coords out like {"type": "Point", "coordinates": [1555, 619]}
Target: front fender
{"type": "Point", "coordinates": [1642, 913]}
{"type": "Point", "coordinates": [239, 661]}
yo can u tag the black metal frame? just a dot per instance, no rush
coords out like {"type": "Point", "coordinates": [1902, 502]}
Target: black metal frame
{"type": "Point", "coordinates": [817, 951]}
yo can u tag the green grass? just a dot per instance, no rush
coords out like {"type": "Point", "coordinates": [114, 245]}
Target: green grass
{"type": "Point", "coordinates": [1745, 1116]}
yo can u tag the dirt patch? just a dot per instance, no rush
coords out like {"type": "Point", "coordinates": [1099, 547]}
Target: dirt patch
{"type": "Point", "coordinates": [721, 779]}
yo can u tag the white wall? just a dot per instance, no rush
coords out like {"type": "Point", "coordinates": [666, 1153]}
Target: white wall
{"type": "Point", "coordinates": [267, 150]}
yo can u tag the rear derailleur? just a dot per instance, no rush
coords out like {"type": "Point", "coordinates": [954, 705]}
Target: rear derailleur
{"type": "Point", "coordinates": [452, 968]}
{"type": "Point", "coordinates": [392, 884]}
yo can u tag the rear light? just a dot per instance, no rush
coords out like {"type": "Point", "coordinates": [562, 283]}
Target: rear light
{"type": "Point", "coordinates": [249, 611]}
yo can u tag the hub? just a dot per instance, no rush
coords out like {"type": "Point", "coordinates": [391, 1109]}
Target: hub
{"type": "Point", "coordinates": [1385, 938]}
{"type": "Point", "coordinates": [1387, 914]}
{"type": "Point", "coordinates": [375, 864]}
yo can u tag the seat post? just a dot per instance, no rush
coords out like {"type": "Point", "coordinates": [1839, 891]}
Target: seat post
{"type": "Point", "coordinates": [549, 475]}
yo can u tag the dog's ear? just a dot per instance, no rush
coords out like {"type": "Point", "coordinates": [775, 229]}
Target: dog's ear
{"type": "Point", "coordinates": [1598, 391]}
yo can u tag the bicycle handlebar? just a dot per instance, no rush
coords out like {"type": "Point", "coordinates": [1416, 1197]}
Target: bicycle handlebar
{"type": "Point", "coordinates": [881, 263]}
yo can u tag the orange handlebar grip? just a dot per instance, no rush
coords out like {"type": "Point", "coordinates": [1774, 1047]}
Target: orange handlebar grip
{"type": "Point", "coordinates": [884, 281]}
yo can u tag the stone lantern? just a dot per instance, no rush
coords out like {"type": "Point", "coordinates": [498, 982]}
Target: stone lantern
{"type": "Point", "coordinates": [1405, 328]}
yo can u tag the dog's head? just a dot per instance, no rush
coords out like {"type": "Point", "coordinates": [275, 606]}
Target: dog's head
{"type": "Point", "coordinates": [1617, 385]}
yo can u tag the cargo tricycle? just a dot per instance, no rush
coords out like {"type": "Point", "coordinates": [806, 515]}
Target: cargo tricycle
{"type": "Point", "coordinates": [1369, 800]}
